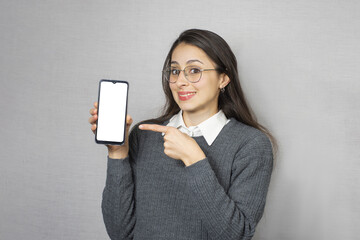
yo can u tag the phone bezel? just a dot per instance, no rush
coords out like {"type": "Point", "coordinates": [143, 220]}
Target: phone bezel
{"type": "Point", "coordinates": [127, 97]}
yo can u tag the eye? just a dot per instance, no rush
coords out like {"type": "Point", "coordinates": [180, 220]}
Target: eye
{"type": "Point", "coordinates": [194, 70]}
{"type": "Point", "coordinates": [174, 71]}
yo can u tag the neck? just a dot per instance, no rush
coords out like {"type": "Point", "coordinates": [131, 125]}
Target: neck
{"type": "Point", "coordinates": [195, 118]}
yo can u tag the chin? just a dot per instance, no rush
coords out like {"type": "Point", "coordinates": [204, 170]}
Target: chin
{"type": "Point", "coordinates": [187, 108]}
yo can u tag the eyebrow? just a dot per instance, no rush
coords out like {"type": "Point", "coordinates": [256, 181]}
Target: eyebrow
{"type": "Point", "coordinates": [188, 62]}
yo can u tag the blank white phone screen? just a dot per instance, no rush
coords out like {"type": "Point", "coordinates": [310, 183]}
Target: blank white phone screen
{"type": "Point", "coordinates": [112, 111]}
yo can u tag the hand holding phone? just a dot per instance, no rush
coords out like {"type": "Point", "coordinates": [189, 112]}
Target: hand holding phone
{"type": "Point", "coordinates": [115, 151]}
{"type": "Point", "coordinates": [111, 111]}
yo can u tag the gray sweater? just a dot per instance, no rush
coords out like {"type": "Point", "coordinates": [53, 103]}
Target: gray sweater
{"type": "Point", "coordinates": [149, 195]}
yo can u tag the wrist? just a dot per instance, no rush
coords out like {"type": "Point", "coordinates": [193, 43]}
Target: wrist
{"type": "Point", "coordinates": [117, 154]}
{"type": "Point", "coordinates": [194, 158]}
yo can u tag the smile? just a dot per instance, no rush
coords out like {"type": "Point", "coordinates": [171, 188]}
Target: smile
{"type": "Point", "coordinates": [183, 96]}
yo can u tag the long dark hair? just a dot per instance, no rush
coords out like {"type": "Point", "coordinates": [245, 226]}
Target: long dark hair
{"type": "Point", "coordinates": [232, 102]}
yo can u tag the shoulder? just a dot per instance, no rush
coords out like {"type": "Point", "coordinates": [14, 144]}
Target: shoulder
{"type": "Point", "coordinates": [253, 148]}
{"type": "Point", "coordinates": [250, 140]}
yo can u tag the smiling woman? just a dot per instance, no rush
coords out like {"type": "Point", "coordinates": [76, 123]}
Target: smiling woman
{"type": "Point", "coordinates": [202, 169]}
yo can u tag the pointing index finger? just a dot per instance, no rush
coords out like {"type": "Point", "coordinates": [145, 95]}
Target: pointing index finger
{"type": "Point", "coordinates": [154, 128]}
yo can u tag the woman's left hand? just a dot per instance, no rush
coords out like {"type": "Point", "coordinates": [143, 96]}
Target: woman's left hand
{"type": "Point", "coordinates": [177, 145]}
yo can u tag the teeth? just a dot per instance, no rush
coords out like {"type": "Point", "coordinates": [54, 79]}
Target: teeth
{"type": "Point", "coordinates": [184, 95]}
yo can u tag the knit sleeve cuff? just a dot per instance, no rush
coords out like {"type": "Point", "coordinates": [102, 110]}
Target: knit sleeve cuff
{"type": "Point", "coordinates": [200, 167]}
{"type": "Point", "coordinates": [201, 174]}
{"type": "Point", "coordinates": [118, 166]}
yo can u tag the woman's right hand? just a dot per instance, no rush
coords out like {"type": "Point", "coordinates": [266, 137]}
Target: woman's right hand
{"type": "Point", "coordinates": [115, 151]}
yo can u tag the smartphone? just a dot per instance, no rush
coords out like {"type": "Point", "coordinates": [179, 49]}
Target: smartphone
{"type": "Point", "coordinates": [112, 110]}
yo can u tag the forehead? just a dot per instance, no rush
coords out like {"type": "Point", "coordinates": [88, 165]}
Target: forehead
{"type": "Point", "coordinates": [185, 52]}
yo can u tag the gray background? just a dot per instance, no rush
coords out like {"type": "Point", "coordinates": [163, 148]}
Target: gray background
{"type": "Point", "coordinates": [299, 66]}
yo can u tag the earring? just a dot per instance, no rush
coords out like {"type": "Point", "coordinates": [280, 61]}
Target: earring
{"type": "Point", "coordinates": [222, 90]}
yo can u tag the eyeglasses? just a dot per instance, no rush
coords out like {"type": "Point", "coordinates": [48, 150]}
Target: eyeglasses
{"type": "Point", "coordinates": [192, 74]}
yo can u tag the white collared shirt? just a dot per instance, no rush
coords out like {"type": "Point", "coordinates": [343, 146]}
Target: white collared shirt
{"type": "Point", "coordinates": [209, 128]}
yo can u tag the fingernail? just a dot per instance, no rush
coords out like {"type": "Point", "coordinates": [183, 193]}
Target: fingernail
{"type": "Point", "coordinates": [140, 126]}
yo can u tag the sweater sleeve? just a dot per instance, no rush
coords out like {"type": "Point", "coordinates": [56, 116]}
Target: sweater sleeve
{"type": "Point", "coordinates": [234, 214]}
{"type": "Point", "coordinates": [118, 202]}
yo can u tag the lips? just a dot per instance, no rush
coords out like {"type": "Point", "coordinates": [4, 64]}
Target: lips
{"type": "Point", "coordinates": [184, 96]}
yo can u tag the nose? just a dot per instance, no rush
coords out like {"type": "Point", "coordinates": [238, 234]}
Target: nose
{"type": "Point", "coordinates": [182, 81]}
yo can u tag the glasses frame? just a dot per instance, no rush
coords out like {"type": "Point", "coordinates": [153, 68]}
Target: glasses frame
{"type": "Point", "coordinates": [186, 76]}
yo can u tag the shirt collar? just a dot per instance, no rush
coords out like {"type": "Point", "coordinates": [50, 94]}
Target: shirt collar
{"type": "Point", "coordinates": [209, 128]}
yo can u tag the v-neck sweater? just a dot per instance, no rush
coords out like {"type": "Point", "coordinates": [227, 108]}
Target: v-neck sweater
{"type": "Point", "coordinates": [149, 195]}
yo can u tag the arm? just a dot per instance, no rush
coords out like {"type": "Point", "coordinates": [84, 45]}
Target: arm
{"type": "Point", "coordinates": [235, 214]}
{"type": "Point", "coordinates": [118, 195]}
{"type": "Point", "coordinates": [118, 203]}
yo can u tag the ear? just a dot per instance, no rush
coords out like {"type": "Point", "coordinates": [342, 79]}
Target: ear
{"type": "Point", "coordinates": [224, 80]}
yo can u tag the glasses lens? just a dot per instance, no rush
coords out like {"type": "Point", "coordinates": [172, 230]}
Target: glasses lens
{"type": "Point", "coordinates": [170, 75]}
{"type": "Point", "coordinates": [193, 74]}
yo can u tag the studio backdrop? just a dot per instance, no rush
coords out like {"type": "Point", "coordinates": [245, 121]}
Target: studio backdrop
{"type": "Point", "coordinates": [298, 64]}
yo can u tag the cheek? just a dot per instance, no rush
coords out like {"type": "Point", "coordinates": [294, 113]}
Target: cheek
{"type": "Point", "coordinates": [206, 88]}
{"type": "Point", "coordinates": [172, 86]}
{"type": "Point", "coordinates": [173, 90]}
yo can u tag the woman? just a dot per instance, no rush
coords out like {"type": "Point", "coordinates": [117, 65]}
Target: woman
{"type": "Point", "coordinates": [202, 169]}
